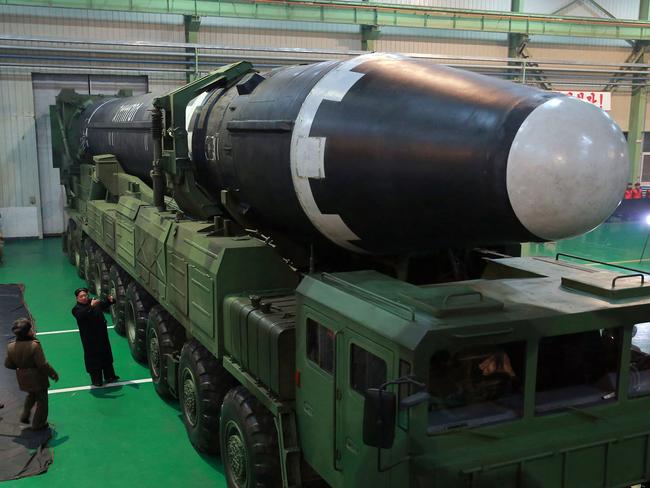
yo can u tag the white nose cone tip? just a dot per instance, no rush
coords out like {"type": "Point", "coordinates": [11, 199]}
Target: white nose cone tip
{"type": "Point", "coordinates": [567, 168]}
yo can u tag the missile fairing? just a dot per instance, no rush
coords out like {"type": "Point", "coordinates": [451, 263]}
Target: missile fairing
{"type": "Point", "coordinates": [383, 154]}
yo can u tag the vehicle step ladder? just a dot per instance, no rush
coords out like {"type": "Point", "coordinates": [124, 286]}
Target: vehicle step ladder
{"type": "Point", "coordinates": [285, 423]}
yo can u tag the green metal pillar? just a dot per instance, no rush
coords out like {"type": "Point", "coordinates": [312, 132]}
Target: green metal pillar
{"type": "Point", "coordinates": [192, 24]}
{"type": "Point", "coordinates": [635, 130]}
{"type": "Point", "coordinates": [517, 45]}
{"type": "Point", "coordinates": [638, 102]}
{"type": "Point", "coordinates": [369, 34]}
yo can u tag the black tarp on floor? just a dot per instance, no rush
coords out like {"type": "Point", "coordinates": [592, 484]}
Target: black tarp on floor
{"type": "Point", "coordinates": [23, 452]}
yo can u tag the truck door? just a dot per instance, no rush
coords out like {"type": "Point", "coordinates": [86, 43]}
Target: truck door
{"type": "Point", "coordinates": [361, 364]}
{"type": "Point", "coordinates": [315, 401]}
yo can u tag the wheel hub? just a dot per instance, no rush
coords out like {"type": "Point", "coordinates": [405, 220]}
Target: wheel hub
{"type": "Point", "coordinates": [154, 354]}
{"type": "Point", "coordinates": [189, 397]}
{"type": "Point", "coordinates": [236, 454]}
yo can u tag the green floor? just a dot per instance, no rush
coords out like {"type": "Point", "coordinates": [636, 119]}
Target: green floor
{"type": "Point", "coordinates": [117, 437]}
{"type": "Point", "coordinates": [626, 244]}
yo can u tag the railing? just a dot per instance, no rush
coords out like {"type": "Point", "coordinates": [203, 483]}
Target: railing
{"type": "Point", "coordinates": [151, 57]}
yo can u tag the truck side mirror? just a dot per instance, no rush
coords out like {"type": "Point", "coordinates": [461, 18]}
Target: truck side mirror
{"type": "Point", "coordinates": [379, 415]}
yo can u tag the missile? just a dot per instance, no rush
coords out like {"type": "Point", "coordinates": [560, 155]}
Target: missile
{"type": "Point", "coordinates": [384, 154]}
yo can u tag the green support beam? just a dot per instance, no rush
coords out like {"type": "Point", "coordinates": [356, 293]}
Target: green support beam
{"type": "Point", "coordinates": [516, 42]}
{"type": "Point", "coordinates": [636, 128]}
{"type": "Point", "coordinates": [638, 102]}
{"type": "Point", "coordinates": [192, 24]}
{"type": "Point", "coordinates": [375, 14]}
{"type": "Point", "coordinates": [369, 34]}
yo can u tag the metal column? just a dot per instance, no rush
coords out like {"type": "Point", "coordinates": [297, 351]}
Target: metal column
{"type": "Point", "coordinates": [192, 23]}
{"type": "Point", "coordinates": [638, 102]}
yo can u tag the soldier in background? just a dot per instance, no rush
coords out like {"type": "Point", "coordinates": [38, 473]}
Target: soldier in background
{"type": "Point", "coordinates": [98, 356]}
{"type": "Point", "coordinates": [26, 356]}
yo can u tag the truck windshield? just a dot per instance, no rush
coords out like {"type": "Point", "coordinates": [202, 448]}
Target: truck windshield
{"type": "Point", "coordinates": [476, 386]}
{"type": "Point", "coordinates": [576, 370]}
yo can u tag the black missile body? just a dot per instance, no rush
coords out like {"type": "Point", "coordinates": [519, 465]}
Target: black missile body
{"type": "Point", "coordinates": [383, 154]}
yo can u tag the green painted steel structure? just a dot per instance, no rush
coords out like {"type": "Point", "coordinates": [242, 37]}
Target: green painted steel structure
{"type": "Point", "coordinates": [375, 14]}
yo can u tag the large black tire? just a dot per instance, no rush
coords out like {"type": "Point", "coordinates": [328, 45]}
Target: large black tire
{"type": "Point", "coordinates": [80, 257]}
{"type": "Point", "coordinates": [117, 280]}
{"type": "Point", "coordinates": [202, 386]}
{"type": "Point", "coordinates": [164, 336]}
{"type": "Point", "coordinates": [249, 447]}
{"type": "Point", "coordinates": [65, 239]}
{"type": "Point", "coordinates": [69, 244]}
{"type": "Point", "coordinates": [89, 262]}
{"type": "Point", "coordinates": [101, 273]}
{"type": "Point", "coordinates": [136, 311]}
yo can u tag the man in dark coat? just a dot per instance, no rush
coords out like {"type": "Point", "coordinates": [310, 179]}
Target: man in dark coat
{"type": "Point", "coordinates": [94, 336]}
{"type": "Point", "coordinates": [26, 356]}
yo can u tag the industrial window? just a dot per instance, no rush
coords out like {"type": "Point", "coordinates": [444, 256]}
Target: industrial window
{"type": "Point", "coordinates": [476, 385]}
{"type": "Point", "coordinates": [366, 369]}
{"type": "Point", "coordinates": [577, 370]}
{"type": "Point", "coordinates": [320, 345]}
{"type": "Point", "coordinates": [640, 361]}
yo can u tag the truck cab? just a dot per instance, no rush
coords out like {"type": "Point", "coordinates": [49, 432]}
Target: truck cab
{"type": "Point", "coordinates": [530, 376]}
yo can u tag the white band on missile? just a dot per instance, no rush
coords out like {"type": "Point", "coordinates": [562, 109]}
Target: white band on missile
{"type": "Point", "coordinates": [90, 117]}
{"type": "Point", "coordinates": [194, 104]}
{"type": "Point", "coordinates": [308, 153]}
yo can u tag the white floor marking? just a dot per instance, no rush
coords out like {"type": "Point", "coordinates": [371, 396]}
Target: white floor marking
{"type": "Point", "coordinates": [65, 331]}
{"type": "Point", "coordinates": [90, 387]}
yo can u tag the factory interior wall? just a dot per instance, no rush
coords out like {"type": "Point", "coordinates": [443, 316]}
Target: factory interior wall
{"type": "Point", "coordinates": [19, 173]}
{"type": "Point", "coordinates": [281, 34]}
{"type": "Point", "coordinates": [19, 183]}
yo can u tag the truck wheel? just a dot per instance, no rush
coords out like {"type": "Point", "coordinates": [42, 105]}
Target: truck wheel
{"type": "Point", "coordinates": [79, 257]}
{"type": "Point", "coordinates": [202, 385]}
{"type": "Point", "coordinates": [89, 262]}
{"type": "Point", "coordinates": [117, 288]}
{"type": "Point", "coordinates": [65, 241]}
{"type": "Point", "coordinates": [136, 310]}
{"type": "Point", "coordinates": [164, 336]}
{"type": "Point", "coordinates": [71, 248]}
{"type": "Point", "coordinates": [248, 442]}
{"type": "Point", "coordinates": [100, 273]}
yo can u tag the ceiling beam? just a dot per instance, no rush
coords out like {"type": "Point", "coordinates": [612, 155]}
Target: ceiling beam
{"type": "Point", "coordinates": [375, 14]}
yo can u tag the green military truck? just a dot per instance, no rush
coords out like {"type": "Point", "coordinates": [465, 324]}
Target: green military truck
{"type": "Point", "coordinates": [292, 255]}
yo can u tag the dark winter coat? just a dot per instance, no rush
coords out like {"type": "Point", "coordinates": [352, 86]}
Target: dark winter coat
{"type": "Point", "coordinates": [32, 369]}
{"type": "Point", "coordinates": [94, 335]}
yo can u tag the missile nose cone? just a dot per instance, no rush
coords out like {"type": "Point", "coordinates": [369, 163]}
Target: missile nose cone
{"type": "Point", "coordinates": [567, 168]}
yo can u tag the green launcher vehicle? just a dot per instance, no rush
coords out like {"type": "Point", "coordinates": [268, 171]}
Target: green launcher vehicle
{"type": "Point", "coordinates": [299, 258]}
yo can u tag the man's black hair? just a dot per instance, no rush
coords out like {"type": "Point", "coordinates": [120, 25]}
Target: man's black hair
{"type": "Point", "coordinates": [21, 328]}
{"type": "Point", "coordinates": [79, 290]}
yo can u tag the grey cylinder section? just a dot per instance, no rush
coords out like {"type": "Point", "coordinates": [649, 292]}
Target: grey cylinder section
{"type": "Point", "coordinates": [122, 127]}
